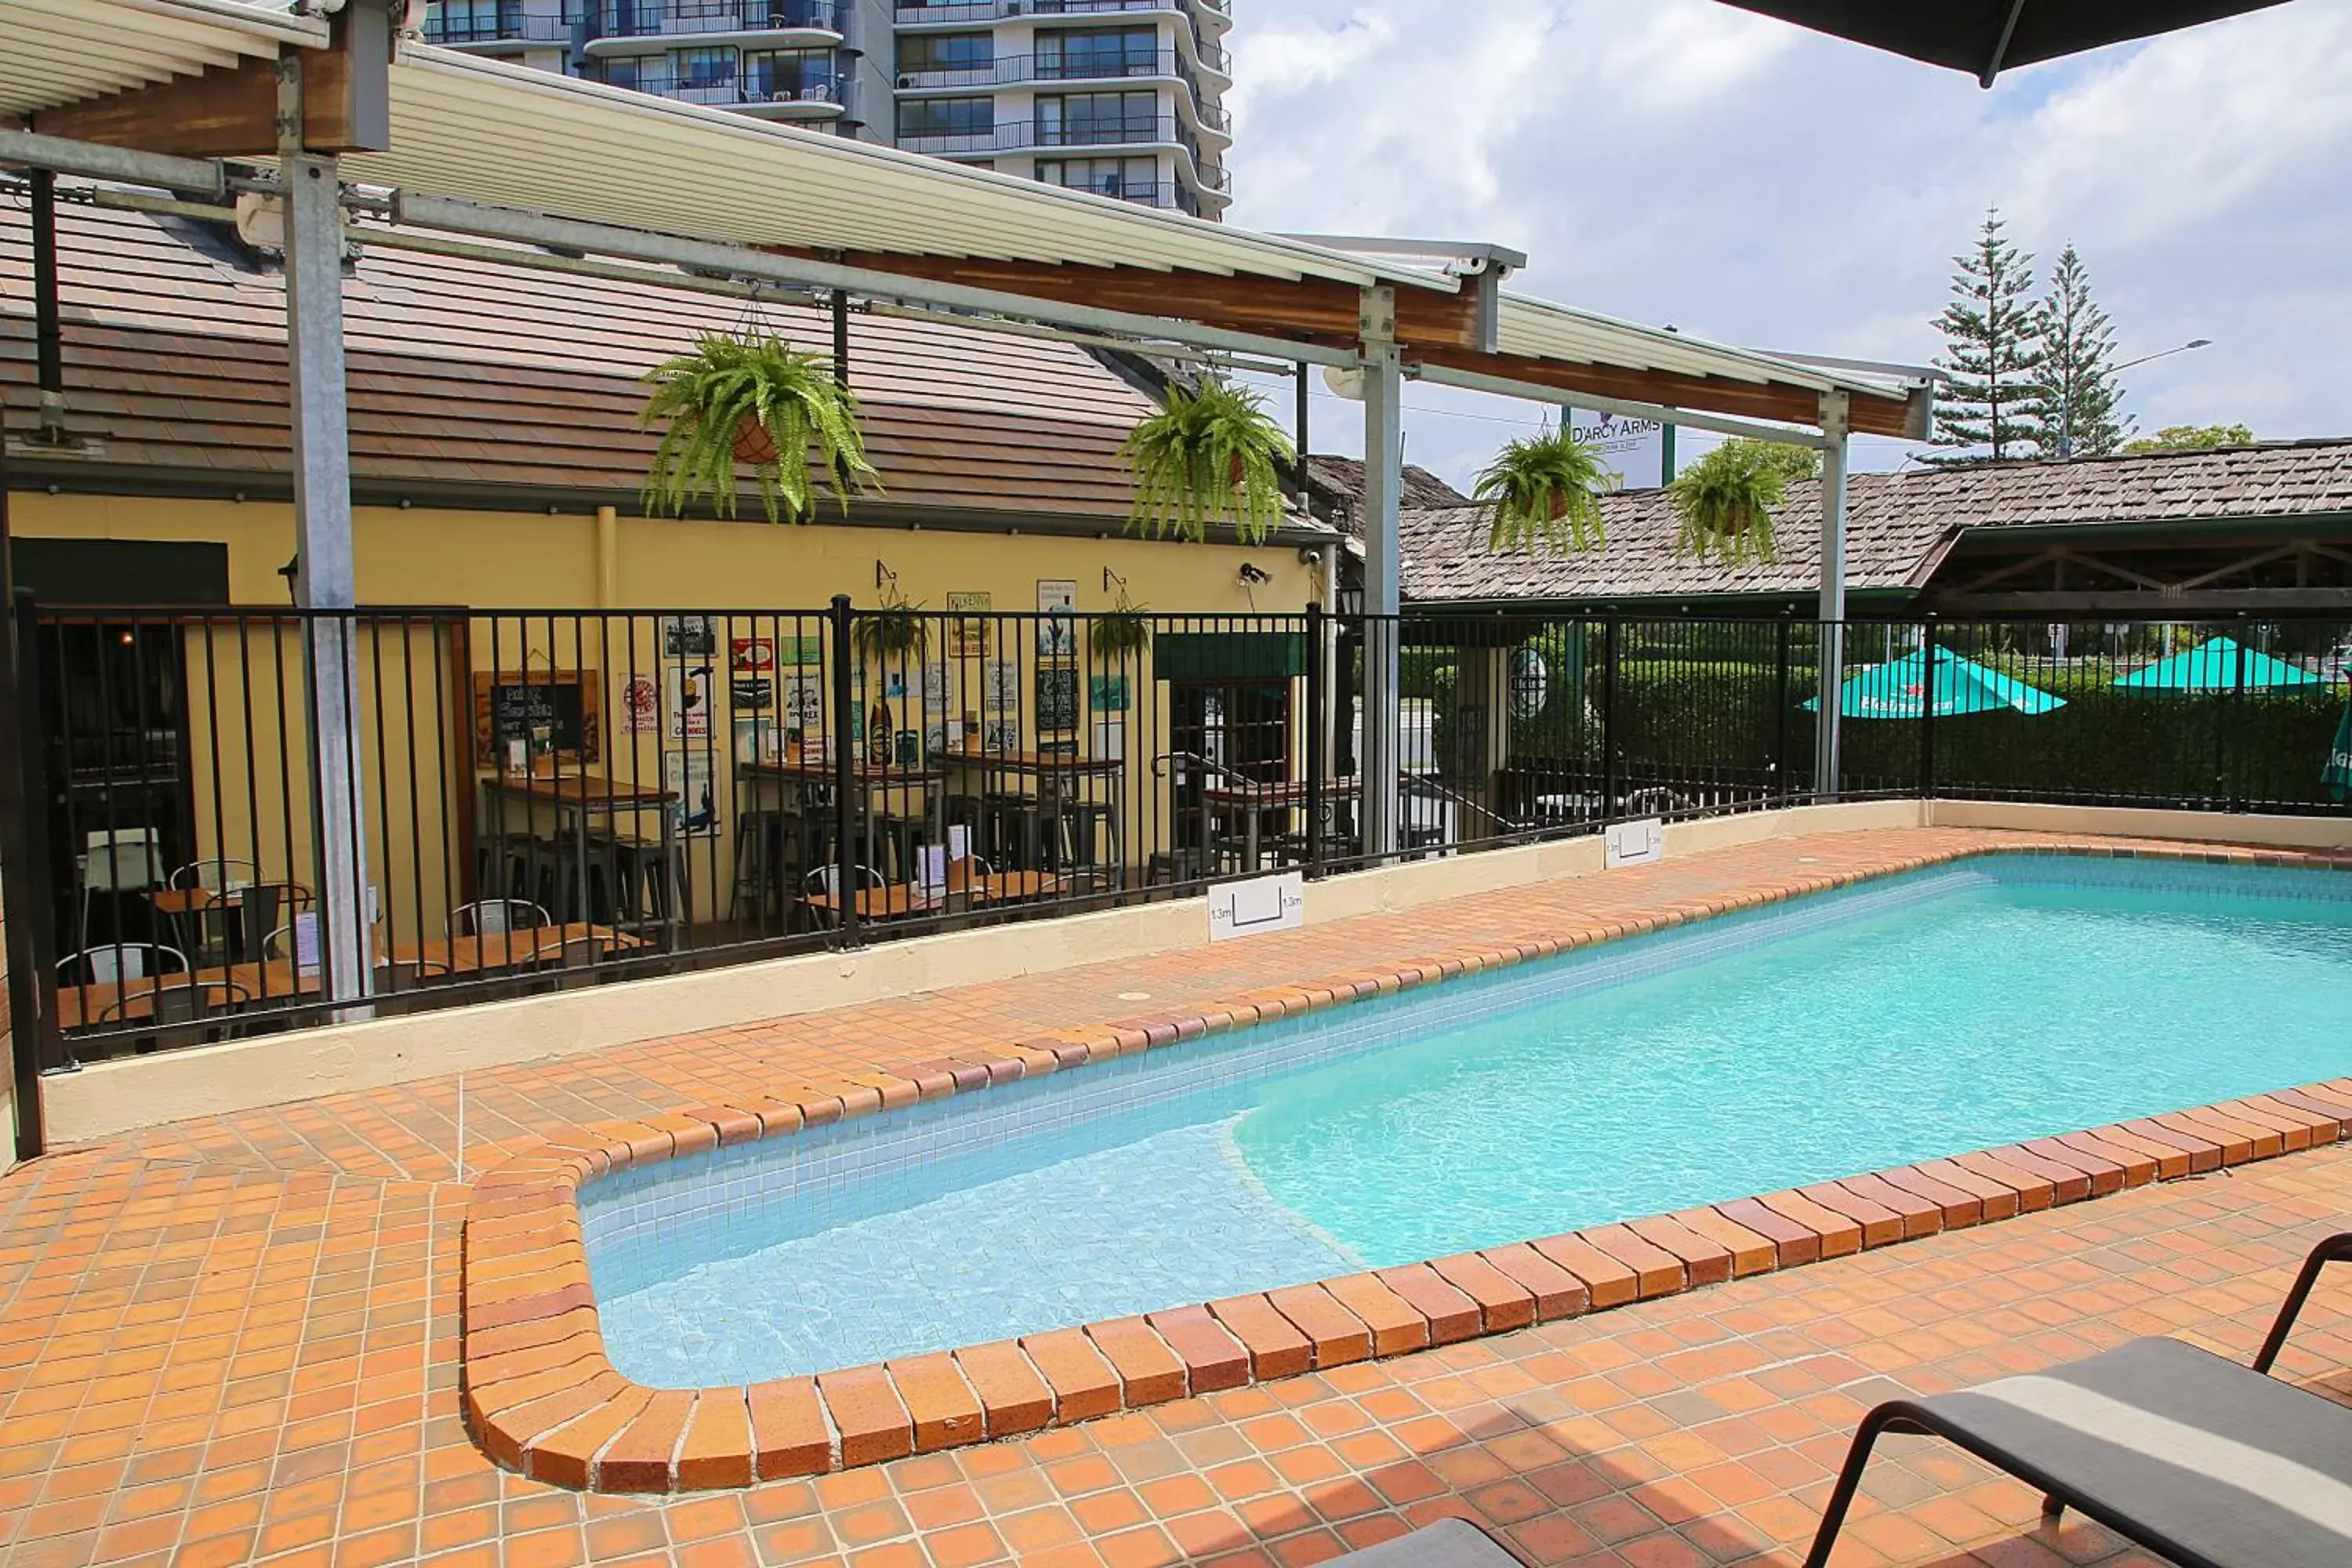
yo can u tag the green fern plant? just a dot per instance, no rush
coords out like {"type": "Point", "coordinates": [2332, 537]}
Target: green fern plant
{"type": "Point", "coordinates": [1727, 500]}
{"type": "Point", "coordinates": [757, 402]}
{"type": "Point", "coordinates": [1543, 488]}
{"type": "Point", "coordinates": [1121, 632]}
{"type": "Point", "coordinates": [1209, 455]}
{"type": "Point", "coordinates": [896, 630]}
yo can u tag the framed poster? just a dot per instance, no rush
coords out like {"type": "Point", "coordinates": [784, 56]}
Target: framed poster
{"type": "Point", "coordinates": [805, 701]}
{"type": "Point", "coordinates": [1057, 696]}
{"type": "Point", "coordinates": [999, 686]}
{"type": "Point", "coordinates": [686, 775]}
{"type": "Point", "coordinates": [1110, 737]}
{"type": "Point", "coordinates": [1057, 631]}
{"type": "Point", "coordinates": [688, 637]}
{"type": "Point", "coordinates": [690, 691]}
{"type": "Point", "coordinates": [640, 706]}
{"type": "Point", "coordinates": [750, 656]}
{"type": "Point", "coordinates": [800, 653]}
{"type": "Point", "coordinates": [967, 633]}
{"type": "Point", "coordinates": [1109, 694]}
{"type": "Point", "coordinates": [753, 694]}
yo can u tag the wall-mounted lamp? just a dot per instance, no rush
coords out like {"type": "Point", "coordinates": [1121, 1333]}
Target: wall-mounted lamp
{"type": "Point", "coordinates": [1255, 575]}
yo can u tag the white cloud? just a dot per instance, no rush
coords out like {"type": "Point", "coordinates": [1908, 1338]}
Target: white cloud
{"type": "Point", "coordinates": [1684, 161]}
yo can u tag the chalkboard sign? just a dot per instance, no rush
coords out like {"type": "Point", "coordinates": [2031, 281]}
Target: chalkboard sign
{"type": "Point", "coordinates": [511, 704]}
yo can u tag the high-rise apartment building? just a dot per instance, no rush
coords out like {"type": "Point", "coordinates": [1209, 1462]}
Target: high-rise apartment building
{"type": "Point", "coordinates": [1120, 97]}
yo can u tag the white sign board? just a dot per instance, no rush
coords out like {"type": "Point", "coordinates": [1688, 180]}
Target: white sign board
{"type": "Point", "coordinates": [1634, 449]}
{"type": "Point", "coordinates": [1635, 843]}
{"type": "Point", "coordinates": [1258, 906]}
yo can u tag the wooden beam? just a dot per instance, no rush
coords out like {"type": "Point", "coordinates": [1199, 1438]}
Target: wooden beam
{"type": "Point", "coordinates": [1874, 414]}
{"type": "Point", "coordinates": [2082, 603]}
{"type": "Point", "coordinates": [231, 111]}
{"type": "Point", "coordinates": [1309, 311]}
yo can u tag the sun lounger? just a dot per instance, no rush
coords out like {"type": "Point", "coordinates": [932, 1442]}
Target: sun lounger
{"type": "Point", "coordinates": [2180, 1451]}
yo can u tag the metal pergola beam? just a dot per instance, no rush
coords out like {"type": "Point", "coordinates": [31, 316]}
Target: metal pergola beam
{"type": "Point", "coordinates": [452, 216]}
{"type": "Point", "coordinates": [95, 161]}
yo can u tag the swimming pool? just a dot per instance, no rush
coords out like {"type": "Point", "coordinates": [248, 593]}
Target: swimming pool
{"type": "Point", "coordinates": [1978, 1004]}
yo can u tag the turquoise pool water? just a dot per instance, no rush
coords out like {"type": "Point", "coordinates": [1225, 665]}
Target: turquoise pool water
{"type": "Point", "coordinates": [1921, 1016]}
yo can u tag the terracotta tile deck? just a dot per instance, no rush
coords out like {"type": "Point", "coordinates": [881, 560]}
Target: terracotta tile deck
{"type": "Point", "coordinates": [237, 1339]}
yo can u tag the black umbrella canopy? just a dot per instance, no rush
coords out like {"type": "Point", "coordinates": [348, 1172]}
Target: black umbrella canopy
{"type": "Point", "coordinates": [1985, 38]}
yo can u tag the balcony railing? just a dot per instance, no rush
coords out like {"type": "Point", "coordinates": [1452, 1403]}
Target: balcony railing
{"type": "Point", "coordinates": [1022, 135]}
{"type": "Point", "coordinates": [1168, 194]}
{"type": "Point", "coordinates": [1013, 69]}
{"type": "Point", "coordinates": [998, 10]}
{"type": "Point", "coordinates": [730, 93]}
{"type": "Point", "coordinates": [689, 18]}
{"type": "Point", "coordinates": [514, 28]}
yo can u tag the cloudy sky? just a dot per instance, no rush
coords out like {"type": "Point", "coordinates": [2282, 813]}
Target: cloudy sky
{"type": "Point", "coordinates": [1679, 161]}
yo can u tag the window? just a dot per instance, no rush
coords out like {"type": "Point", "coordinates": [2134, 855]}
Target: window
{"type": "Point", "coordinates": [947, 51]}
{"type": "Point", "coordinates": [1081, 119]}
{"type": "Point", "coordinates": [1097, 52]}
{"type": "Point", "coordinates": [1136, 179]}
{"type": "Point", "coordinates": [467, 20]}
{"type": "Point", "coordinates": [788, 73]}
{"type": "Point", "coordinates": [947, 117]}
{"type": "Point", "coordinates": [703, 67]}
{"type": "Point", "coordinates": [620, 71]}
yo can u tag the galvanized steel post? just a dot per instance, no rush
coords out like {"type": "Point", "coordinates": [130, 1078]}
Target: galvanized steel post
{"type": "Point", "coordinates": [1383, 488]}
{"type": "Point", "coordinates": [1832, 587]}
{"type": "Point", "coordinates": [327, 585]}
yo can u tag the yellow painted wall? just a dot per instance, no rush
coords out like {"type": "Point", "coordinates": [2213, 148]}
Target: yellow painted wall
{"type": "Point", "coordinates": [418, 842]}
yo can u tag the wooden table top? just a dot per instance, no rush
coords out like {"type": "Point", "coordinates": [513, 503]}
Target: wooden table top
{"type": "Point", "coordinates": [196, 900]}
{"type": "Point", "coordinates": [995, 886]}
{"type": "Point", "coordinates": [592, 790]}
{"type": "Point", "coordinates": [276, 979]}
{"type": "Point", "coordinates": [862, 773]}
{"type": "Point", "coordinates": [1031, 762]}
{"type": "Point", "coordinates": [1281, 793]}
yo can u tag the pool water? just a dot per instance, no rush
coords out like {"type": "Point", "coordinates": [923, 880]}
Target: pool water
{"type": "Point", "coordinates": [1923, 1015]}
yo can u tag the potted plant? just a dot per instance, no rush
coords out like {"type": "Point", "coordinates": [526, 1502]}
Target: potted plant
{"type": "Point", "coordinates": [1728, 497]}
{"type": "Point", "coordinates": [1120, 632]}
{"type": "Point", "coordinates": [754, 401]}
{"type": "Point", "coordinates": [894, 631]}
{"type": "Point", "coordinates": [1211, 455]}
{"type": "Point", "coordinates": [1543, 488]}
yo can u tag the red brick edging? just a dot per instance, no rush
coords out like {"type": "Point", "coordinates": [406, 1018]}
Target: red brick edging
{"type": "Point", "coordinates": [543, 1398]}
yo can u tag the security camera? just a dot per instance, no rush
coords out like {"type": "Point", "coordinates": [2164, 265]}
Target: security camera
{"type": "Point", "coordinates": [1254, 574]}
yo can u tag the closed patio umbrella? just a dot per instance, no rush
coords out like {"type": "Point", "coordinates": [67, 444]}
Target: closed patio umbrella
{"type": "Point", "coordinates": [2214, 665]}
{"type": "Point", "coordinates": [1984, 37]}
{"type": "Point", "coordinates": [2337, 775]}
{"type": "Point", "coordinates": [1896, 690]}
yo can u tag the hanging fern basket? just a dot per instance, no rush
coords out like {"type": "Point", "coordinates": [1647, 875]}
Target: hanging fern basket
{"type": "Point", "coordinates": [753, 401]}
{"type": "Point", "coordinates": [1544, 489]}
{"type": "Point", "coordinates": [1211, 455]}
{"type": "Point", "coordinates": [1726, 501]}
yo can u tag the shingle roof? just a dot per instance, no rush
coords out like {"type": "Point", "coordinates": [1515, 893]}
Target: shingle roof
{"type": "Point", "coordinates": [1898, 525]}
{"type": "Point", "coordinates": [1344, 478]}
{"type": "Point", "coordinates": [470, 375]}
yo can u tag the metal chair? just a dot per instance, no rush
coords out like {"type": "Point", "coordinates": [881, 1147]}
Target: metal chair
{"type": "Point", "coordinates": [223, 874]}
{"type": "Point", "coordinates": [192, 1013]}
{"type": "Point", "coordinates": [408, 973]}
{"type": "Point", "coordinates": [116, 860]}
{"type": "Point", "coordinates": [496, 917]}
{"type": "Point", "coordinates": [826, 882]}
{"type": "Point", "coordinates": [120, 966]}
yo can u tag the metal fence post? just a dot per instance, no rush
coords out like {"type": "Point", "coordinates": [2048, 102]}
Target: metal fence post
{"type": "Point", "coordinates": [35, 1042]}
{"type": "Point", "coordinates": [1317, 763]}
{"type": "Point", "coordinates": [1927, 656]}
{"type": "Point", "coordinates": [2238, 792]}
{"type": "Point", "coordinates": [1609, 720]}
{"type": "Point", "coordinates": [844, 775]}
{"type": "Point", "coordinates": [1784, 640]}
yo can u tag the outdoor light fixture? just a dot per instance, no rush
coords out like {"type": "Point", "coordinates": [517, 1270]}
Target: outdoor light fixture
{"type": "Point", "coordinates": [2066, 414]}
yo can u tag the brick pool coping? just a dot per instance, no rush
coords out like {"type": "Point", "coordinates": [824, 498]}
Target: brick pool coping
{"type": "Point", "coordinates": [543, 1399]}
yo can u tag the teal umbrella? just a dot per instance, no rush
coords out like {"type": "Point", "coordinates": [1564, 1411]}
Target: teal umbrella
{"type": "Point", "coordinates": [1893, 689]}
{"type": "Point", "coordinates": [2337, 775]}
{"type": "Point", "coordinates": [2212, 665]}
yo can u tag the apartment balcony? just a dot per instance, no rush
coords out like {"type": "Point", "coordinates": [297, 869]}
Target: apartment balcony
{"type": "Point", "coordinates": [1202, 12]}
{"type": "Point", "coordinates": [1169, 196]}
{"type": "Point", "coordinates": [763, 99]}
{"type": "Point", "coordinates": [1014, 71]}
{"type": "Point", "coordinates": [651, 25]}
{"type": "Point", "coordinates": [1106, 135]}
{"type": "Point", "coordinates": [507, 33]}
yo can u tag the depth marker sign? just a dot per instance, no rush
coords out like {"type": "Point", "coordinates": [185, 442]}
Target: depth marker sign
{"type": "Point", "coordinates": [1254, 907]}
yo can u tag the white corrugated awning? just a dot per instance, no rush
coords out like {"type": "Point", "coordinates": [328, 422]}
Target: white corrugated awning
{"type": "Point", "coordinates": [60, 51]}
{"type": "Point", "coordinates": [1537, 329]}
{"type": "Point", "coordinates": [463, 125]}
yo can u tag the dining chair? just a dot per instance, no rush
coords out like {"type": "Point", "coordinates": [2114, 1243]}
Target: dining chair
{"type": "Point", "coordinates": [198, 1013]}
{"type": "Point", "coordinates": [117, 860]}
{"type": "Point", "coordinates": [496, 917]}
{"type": "Point", "coordinates": [825, 882]}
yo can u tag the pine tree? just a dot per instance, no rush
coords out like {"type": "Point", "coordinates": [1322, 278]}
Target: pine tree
{"type": "Point", "coordinates": [1992, 399]}
{"type": "Point", "coordinates": [2077, 384]}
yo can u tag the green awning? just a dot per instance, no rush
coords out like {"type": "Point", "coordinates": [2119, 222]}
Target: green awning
{"type": "Point", "coordinates": [1229, 656]}
{"type": "Point", "coordinates": [2337, 775]}
{"type": "Point", "coordinates": [2215, 665]}
{"type": "Point", "coordinates": [1894, 689]}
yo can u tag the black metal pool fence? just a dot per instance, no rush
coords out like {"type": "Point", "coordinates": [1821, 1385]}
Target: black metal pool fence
{"type": "Point", "coordinates": [552, 799]}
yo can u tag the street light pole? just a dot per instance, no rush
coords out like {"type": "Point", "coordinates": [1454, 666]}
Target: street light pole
{"type": "Point", "coordinates": [2066, 409]}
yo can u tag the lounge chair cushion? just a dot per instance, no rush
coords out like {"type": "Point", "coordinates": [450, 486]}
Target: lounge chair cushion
{"type": "Point", "coordinates": [2228, 1466]}
{"type": "Point", "coordinates": [1448, 1543]}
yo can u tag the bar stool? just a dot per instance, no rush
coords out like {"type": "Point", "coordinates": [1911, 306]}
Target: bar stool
{"type": "Point", "coordinates": [1085, 824]}
{"type": "Point", "coordinates": [647, 879]}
